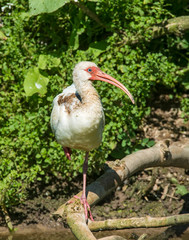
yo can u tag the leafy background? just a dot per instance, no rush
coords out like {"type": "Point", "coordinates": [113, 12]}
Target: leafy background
{"type": "Point", "coordinates": [41, 41]}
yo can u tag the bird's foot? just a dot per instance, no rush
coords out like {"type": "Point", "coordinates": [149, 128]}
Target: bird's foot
{"type": "Point", "coordinates": [86, 206]}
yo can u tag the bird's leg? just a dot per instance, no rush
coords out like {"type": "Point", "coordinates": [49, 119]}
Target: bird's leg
{"type": "Point", "coordinates": [67, 152]}
{"type": "Point", "coordinates": [83, 197]}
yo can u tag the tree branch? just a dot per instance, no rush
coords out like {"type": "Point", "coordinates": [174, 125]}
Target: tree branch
{"type": "Point", "coordinates": [77, 223]}
{"type": "Point", "coordinates": [113, 237]}
{"type": "Point", "coordinates": [143, 222]}
{"type": "Point", "coordinates": [176, 25]}
{"type": "Point", "coordinates": [89, 13]}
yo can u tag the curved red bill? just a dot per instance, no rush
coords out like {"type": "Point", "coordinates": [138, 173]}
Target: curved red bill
{"type": "Point", "coordinates": [99, 75]}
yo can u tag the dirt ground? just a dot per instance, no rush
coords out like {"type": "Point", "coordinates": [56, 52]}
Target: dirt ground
{"type": "Point", "coordinates": [134, 198]}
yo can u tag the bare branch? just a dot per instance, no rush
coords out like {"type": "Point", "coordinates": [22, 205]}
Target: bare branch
{"type": "Point", "coordinates": [143, 222]}
{"type": "Point", "coordinates": [113, 237]}
{"type": "Point", "coordinates": [78, 225]}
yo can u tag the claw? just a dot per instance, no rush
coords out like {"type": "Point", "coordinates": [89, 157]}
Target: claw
{"type": "Point", "coordinates": [86, 206]}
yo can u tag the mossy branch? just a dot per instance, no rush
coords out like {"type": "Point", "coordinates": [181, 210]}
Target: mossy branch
{"type": "Point", "coordinates": [176, 26]}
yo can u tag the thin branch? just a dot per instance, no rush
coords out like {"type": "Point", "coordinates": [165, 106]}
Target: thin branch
{"type": "Point", "coordinates": [89, 13]}
{"type": "Point", "coordinates": [113, 237]}
{"type": "Point", "coordinates": [143, 222]}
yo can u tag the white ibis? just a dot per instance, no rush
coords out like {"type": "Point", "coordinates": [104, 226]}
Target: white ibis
{"type": "Point", "coordinates": [77, 118]}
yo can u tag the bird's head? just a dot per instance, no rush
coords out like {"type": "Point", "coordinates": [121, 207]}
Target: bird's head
{"type": "Point", "coordinates": [85, 71]}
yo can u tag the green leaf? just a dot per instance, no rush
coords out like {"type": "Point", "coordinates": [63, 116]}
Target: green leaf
{"type": "Point", "coordinates": [42, 62]}
{"type": "Point", "coordinates": [144, 141]}
{"type": "Point", "coordinates": [48, 61]}
{"type": "Point", "coordinates": [77, 30]}
{"type": "Point", "coordinates": [151, 143]}
{"type": "Point", "coordinates": [122, 68]}
{"type": "Point", "coordinates": [123, 144]}
{"type": "Point", "coordinates": [101, 45]}
{"type": "Point", "coordinates": [186, 85]}
{"type": "Point", "coordinates": [45, 6]}
{"type": "Point", "coordinates": [181, 189]}
{"type": "Point", "coordinates": [98, 47]}
{"type": "Point", "coordinates": [174, 180]}
{"type": "Point", "coordinates": [2, 36]}
{"type": "Point", "coordinates": [55, 62]}
{"type": "Point", "coordinates": [35, 82]}
{"type": "Point", "coordinates": [147, 1]}
{"type": "Point", "coordinates": [184, 44]}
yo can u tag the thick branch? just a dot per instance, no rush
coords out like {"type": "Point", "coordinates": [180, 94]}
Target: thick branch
{"type": "Point", "coordinates": [174, 25]}
{"type": "Point", "coordinates": [80, 229]}
{"type": "Point", "coordinates": [143, 222]}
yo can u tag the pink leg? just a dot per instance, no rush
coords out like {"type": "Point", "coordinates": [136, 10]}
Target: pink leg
{"type": "Point", "coordinates": [83, 198]}
{"type": "Point", "coordinates": [67, 152]}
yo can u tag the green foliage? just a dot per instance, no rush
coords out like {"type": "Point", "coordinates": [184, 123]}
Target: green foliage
{"type": "Point", "coordinates": [45, 6]}
{"type": "Point", "coordinates": [37, 60]}
{"type": "Point", "coordinates": [2, 36]}
{"type": "Point", "coordinates": [180, 189]}
{"type": "Point", "coordinates": [185, 108]}
{"type": "Point", "coordinates": [35, 82]}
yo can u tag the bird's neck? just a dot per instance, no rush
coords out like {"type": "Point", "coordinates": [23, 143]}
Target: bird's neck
{"type": "Point", "coordinates": [88, 93]}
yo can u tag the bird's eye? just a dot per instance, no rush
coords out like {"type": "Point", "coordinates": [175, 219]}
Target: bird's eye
{"type": "Point", "coordinates": [89, 70]}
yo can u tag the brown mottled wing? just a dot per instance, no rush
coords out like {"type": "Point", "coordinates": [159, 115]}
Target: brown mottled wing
{"type": "Point", "coordinates": [68, 99]}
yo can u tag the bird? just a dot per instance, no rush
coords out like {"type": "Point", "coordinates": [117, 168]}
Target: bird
{"type": "Point", "coordinates": [77, 117]}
